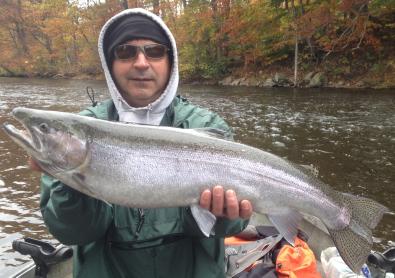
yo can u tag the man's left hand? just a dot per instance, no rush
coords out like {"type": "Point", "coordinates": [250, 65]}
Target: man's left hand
{"type": "Point", "coordinates": [225, 204]}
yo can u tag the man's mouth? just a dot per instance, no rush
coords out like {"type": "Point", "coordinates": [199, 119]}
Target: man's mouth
{"type": "Point", "coordinates": [141, 79]}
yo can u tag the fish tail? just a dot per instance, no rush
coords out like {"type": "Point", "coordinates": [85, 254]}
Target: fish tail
{"type": "Point", "coordinates": [354, 242]}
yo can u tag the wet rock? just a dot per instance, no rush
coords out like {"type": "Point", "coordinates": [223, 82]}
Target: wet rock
{"type": "Point", "coordinates": [338, 84]}
{"type": "Point", "coordinates": [318, 80]}
{"type": "Point", "coordinates": [307, 78]}
{"type": "Point", "coordinates": [236, 82]}
{"type": "Point", "coordinates": [267, 83]}
{"type": "Point", "coordinates": [253, 81]}
{"type": "Point", "coordinates": [360, 84]}
{"type": "Point", "coordinates": [226, 81]}
{"type": "Point", "coordinates": [244, 82]}
{"type": "Point", "coordinates": [281, 80]}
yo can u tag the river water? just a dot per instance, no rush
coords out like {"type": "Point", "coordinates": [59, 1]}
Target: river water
{"type": "Point", "coordinates": [347, 135]}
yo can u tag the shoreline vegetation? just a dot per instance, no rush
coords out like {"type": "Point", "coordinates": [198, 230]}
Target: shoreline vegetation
{"type": "Point", "coordinates": [262, 43]}
{"type": "Point", "coordinates": [263, 79]}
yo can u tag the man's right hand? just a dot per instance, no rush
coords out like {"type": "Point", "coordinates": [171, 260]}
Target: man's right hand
{"type": "Point", "coordinates": [34, 165]}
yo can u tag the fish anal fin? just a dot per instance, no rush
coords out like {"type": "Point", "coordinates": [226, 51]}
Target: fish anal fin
{"type": "Point", "coordinates": [352, 246]}
{"type": "Point", "coordinates": [287, 223]}
{"type": "Point", "coordinates": [204, 219]}
{"type": "Point", "coordinates": [354, 242]}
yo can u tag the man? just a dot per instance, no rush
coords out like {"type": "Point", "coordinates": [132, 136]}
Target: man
{"type": "Point", "coordinates": [139, 59]}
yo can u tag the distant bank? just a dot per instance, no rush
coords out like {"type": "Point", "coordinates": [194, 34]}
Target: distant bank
{"type": "Point", "coordinates": [378, 76]}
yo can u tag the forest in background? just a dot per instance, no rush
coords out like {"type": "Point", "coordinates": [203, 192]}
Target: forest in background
{"type": "Point", "coordinates": [350, 42]}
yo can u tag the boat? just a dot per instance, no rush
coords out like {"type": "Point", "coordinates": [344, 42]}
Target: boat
{"type": "Point", "coordinates": [50, 261]}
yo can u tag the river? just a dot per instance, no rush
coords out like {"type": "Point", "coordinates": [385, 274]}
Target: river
{"type": "Point", "coordinates": [347, 135]}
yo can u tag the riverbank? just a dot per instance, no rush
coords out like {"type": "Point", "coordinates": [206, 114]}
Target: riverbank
{"type": "Point", "coordinates": [332, 74]}
{"type": "Point", "coordinates": [312, 79]}
{"type": "Point", "coordinates": [280, 78]}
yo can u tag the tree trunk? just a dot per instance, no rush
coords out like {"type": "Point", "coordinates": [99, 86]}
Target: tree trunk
{"type": "Point", "coordinates": [296, 45]}
{"type": "Point", "coordinates": [216, 20]}
{"type": "Point", "coordinates": [20, 29]}
{"type": "Point", "coordinates": [296, 60]}
{"type": "Point", "coordinates": [301, 7]}
{"type": "Point", "coordinates": [135, 4]}
{"type": "Point", "coordinates": [125, 4]}
{"type": "Point", "coordinates": [155, 3]}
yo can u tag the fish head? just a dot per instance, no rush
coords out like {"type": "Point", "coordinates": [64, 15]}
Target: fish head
{"type": "Point", "coordinates": [50, 138]}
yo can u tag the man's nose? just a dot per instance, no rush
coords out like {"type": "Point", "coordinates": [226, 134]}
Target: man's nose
{"type": "Point", "coordinates": [141, 61]}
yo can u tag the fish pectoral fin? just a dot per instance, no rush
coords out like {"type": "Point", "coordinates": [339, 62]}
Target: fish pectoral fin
{"type": "Point", "coordinates": [79, 179]}
{"type": "Point", "coordinates": [214, 132]}
{"type": "Point", "coordinates": [287, 223]}
{"type": "Point", "coordinates": [49, 167]}
{"type": "Point", "coordinates": [204, 219]}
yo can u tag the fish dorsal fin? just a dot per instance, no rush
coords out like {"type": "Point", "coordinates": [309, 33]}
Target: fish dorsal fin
{"type": "Point", "coordinates": [214, 132]}
{"type": "Point", "coordinates": [309, 169]}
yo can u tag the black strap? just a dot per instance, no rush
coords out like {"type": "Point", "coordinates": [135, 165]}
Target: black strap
{"type": "Point", "coordinates": [130, 245]}
{"type": "Point", "coordinates": [91, 94]}
{"type": "Point", "coordinates": [266, 269]}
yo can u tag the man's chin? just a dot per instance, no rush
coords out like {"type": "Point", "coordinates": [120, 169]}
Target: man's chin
{"type": "Point", "coordinates": [140, 98]}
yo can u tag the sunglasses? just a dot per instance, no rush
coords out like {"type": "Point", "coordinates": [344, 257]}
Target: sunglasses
{"type": "Point", "coordinates": [151, 51]}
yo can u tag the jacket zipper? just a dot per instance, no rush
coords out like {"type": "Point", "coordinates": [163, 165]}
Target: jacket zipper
{"type": "Point", "coordinates": [140, 223]}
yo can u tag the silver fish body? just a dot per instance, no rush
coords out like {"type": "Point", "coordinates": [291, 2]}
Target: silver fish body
{"type": "Point", "coordinates": [146, 167]}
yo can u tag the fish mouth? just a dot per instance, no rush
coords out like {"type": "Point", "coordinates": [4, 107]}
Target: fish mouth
{"type": "Point", "coordinates": [27, 139]}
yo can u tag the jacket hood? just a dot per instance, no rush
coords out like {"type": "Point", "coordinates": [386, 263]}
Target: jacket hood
{"type": "Point", "coordinates": [153, 112]}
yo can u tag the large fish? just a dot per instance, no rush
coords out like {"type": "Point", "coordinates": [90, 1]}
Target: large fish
{"type": "Point", "coordinates": [145, 167]}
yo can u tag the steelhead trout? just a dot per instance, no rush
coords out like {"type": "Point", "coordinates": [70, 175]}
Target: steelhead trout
{"type": "Point", "coordinates": [150, 167]}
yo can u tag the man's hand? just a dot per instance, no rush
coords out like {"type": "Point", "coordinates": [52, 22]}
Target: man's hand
{"type": "Point", "coordinates": [34, 165]}
{"type": "Point", "coordinates": [225, 204]}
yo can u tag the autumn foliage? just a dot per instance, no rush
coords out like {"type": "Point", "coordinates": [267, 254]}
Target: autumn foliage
{"type": "Point", "coordinates": [215, 37]}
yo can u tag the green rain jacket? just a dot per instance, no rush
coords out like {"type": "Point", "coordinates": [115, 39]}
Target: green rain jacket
{"type": "Point", "coordinates": [116, 241]}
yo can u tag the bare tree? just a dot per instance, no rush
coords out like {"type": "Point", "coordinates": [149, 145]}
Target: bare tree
{"type": "Point", "coordinates": [125, 4]}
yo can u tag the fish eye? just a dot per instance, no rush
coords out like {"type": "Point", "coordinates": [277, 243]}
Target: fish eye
{"type": "Point", "coordinates": [44, 127]}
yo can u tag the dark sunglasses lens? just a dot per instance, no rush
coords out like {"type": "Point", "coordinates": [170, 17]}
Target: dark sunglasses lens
{"type": "Point", "coordinates": [125, 51]}
{"type": "Point", "coordinates": [155, 51]}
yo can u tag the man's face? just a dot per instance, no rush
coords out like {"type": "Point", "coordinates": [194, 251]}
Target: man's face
{"type": "Point", "coordinates": [141, 80]}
